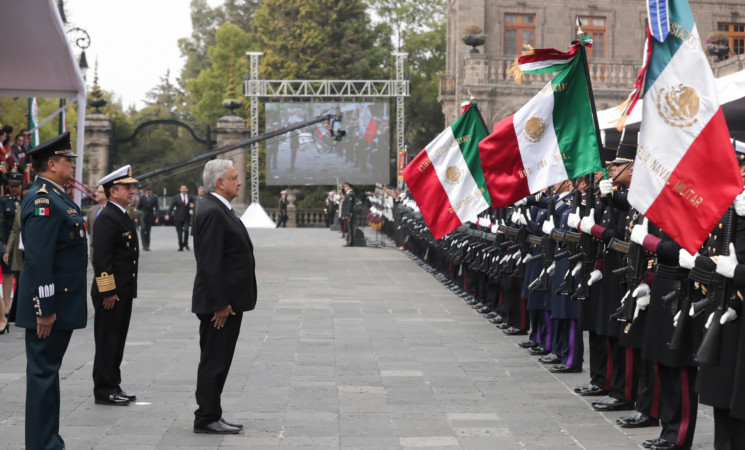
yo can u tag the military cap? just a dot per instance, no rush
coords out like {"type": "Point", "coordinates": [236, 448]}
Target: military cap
{"type": "Point", "coordinates": [739, 150]}
{"type": "Point", "coordinates": [625, 154]}
{"type": "Point", "coordinates": [608, 154]}
{"type": "Point", "coordinates": [122, 175]}
{"type": "Point", "coordinates": [57, 146]}
{"type": "Point", "coordinates": [348, 184]}
{"type": "Point", "coordinates": [15, 179]}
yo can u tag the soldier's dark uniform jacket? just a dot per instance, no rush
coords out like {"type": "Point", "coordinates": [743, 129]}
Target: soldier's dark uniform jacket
{"type": "Point", "coordinates": [8, 206]}
{"type": "Point", "coordinates": [55, 268]}
{"type": "Point", "coordinates": [116, 254]}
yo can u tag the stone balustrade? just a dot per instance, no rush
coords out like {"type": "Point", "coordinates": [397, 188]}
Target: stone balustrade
{"type": "Point", "coordinates": [313, 217]}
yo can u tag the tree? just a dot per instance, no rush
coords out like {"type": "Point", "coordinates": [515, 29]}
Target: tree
{"type": "Point", "coordinates": [320, 39]}
{"type": "Point", "coordinates": [419, 29]}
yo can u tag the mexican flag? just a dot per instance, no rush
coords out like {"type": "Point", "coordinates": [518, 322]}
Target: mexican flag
{"type": "Point", "coordinates": [685, 172]}
{"type": "Point", "coordinates": [550, 139]}
{"type": "Point", "coordinates": [446, 179]}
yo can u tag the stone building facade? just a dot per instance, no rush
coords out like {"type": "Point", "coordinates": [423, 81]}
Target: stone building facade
{"type": "Point", "coordinates": [617, 27]}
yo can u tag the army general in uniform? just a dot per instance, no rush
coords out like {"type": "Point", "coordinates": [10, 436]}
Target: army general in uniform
{"type": "Point", "coordinates": [52, 301]}
{"type": "Point", "coordinates": [115, 258]}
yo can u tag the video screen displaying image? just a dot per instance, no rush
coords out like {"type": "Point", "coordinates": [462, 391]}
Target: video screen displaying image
{"type": "Point", "coordinates": [311, 156]}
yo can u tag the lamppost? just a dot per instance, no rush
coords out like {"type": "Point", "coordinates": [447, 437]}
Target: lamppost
{"type": "Point", "coordinates": [82, 40]}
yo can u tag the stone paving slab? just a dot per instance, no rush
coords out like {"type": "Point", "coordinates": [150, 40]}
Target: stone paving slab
{"type": "Point", "coordinates": [348, 348]}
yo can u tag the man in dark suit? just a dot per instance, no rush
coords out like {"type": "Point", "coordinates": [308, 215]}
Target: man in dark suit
{"type": "Point", "coordinates": [224, 287]}
{"type": "Point", "coordinates": [52, 299]}
{"type": "Point", "coordinates": [182, 208]}
{"type": "Point", "coordinates": [282, 220]}
{"type": "Point", "coordinates": [148, 204]}
{"type": "Point", "coordinates": [347, 213]}
{"type": "Point", "coordinates": [115, 256]}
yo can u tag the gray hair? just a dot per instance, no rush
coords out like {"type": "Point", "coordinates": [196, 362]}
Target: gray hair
{"type": "Point", "coordinates": [213, 170]}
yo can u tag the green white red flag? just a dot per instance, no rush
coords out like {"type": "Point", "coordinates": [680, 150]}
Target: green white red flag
{"type": "Point", "coordinates": [550, 139]}
{"type": "Point", "coordinates": [685, 172]}
{"type": "Point", "coordinates": [446, 179]}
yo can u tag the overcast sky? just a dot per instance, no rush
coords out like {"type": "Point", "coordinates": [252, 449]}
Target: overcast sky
{"type": "Point", "coordinates": [134, 41]}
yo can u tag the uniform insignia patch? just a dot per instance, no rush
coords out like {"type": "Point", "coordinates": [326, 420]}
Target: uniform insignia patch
{"type": "Point", "coordinates": [43, 189]}
{"type": "Point", "coordinates": [39, 201]}
{"type": "Point", "coordinates": [71, 212]}
{"type": "Point", "coordinates": [41, 211]}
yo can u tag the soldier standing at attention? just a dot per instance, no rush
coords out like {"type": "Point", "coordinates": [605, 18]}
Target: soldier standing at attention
{"type": "Point", "coordinates": [115, 256]}
{"type": "Point", "coordinates": [347, 212]}
{"type": "Point", "coordinates": [148, 204]}
{"type": "Point", "coordinates": [8, 205]}
{"type": "Point", "coordinates": [52, 293]}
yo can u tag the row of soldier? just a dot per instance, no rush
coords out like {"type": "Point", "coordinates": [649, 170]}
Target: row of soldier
{"type": "Point", "coordinates": [662, 323]}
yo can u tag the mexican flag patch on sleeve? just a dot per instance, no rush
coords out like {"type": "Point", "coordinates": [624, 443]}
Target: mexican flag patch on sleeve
{"type": "Point", "coordinates": [41, 211]}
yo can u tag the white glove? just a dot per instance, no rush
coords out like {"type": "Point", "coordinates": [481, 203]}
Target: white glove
{"type": "Point", "coordinates": [494, 228]}
{"type": "Point", "coordinates": [676, 318]}
{"type": "Point", "coordinates": [588, 222]}
{"type": "Point", "coordinates": [740, 204]}
{"type": "Point", "coordinates": [515, 218]}
{"type": "Point", "coordinates": [548, 225]}
{"type": "Point", "coordinates": [516, 255]}
{"type": "Point", "coordinates": [596, 275]}
{"type": "Point", "coordinates": [573, 219]}
{"type": "Point", "coordinates": [728, 316]}
{"type": "Point", "coordinates": [521, 202]}
{"type": "Point", "coordinates": [625, 296]}
{"type": "Point", "coordinates": [640, 232]}
{"type": "Point", "coordinates": [726, 264]}
{"type": "Point", "coordinates": [709, 320]}
{"type": "Point", "coordinates": [641, 293]}
{"type": "Point", "coordinates": [527, 215]}
{"type": "Point", "coordinates": [577, 268]}
{"type": "Point", "coordinates": [504, 258]}
{"type": "Point", "coordinates": [685, 259]}
{"type": "Point", "coordinates": [526, 258]}
{"type": "Point", "coordinates": [606, 187]}
{"type": "Point", "coordinates": [552, 269]}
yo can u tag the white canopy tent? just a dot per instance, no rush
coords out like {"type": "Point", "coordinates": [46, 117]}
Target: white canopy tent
{"type": "Point", "coordinates": [41, 61]}
{"type": "Point", "coordinates": [731, 90]}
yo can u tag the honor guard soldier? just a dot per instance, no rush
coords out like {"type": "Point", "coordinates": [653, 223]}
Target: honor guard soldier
{"type": "Point", "coordinates": [52, 293]}
{"type": "Point", "coordinates": [115, 257]}
{"type": "Point", "coordinates": [8, 206]}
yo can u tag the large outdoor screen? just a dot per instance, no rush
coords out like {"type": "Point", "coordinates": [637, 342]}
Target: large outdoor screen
{"type": "Point", "coordinates": [311, 156]}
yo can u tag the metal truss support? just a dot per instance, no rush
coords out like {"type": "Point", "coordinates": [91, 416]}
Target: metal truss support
{"type": "Point", "coordinates": [402, 90]}
{"type": "Point", "coordinates": [252, 92]}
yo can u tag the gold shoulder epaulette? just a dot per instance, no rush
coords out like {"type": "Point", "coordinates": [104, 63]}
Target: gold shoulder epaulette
{"type": "Point", "coordinates": [105, 282]}
{"type": "Point", "coordinates": [43, 189]}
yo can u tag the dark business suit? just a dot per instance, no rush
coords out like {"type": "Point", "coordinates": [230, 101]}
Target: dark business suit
{"type": "Point", "coordinates": [115, 252]}
{"type": "Point", "coordinates": [225, 276]}
{"type": "Point", "coordinates": [347, 214]}
{"type": "Point", "coordinates": [148, 204]}
{"type": "Point", "coordinates": [53, 282]}
{"type": "Point", "coordinates": [180, 210]}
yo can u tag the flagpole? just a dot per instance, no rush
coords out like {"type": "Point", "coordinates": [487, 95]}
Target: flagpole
{"type": "Point", "coordinates": [583, 55]}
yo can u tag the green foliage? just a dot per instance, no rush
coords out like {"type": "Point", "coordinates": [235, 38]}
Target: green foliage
{"type": "Point", "coordinates": [313, 197]}
{"type": "Point", "coordinates": [209, 89]}
{"type": "Point", "coordinates": [319, 39]}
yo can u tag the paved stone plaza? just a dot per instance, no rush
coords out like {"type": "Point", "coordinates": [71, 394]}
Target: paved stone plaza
{"type": "Point", "coordinates": [348, 348]}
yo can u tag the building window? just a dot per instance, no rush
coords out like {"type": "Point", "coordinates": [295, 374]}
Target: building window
{"type": "Point", "coordinates": [736, 33]}
{"type": "Point", "coordinates": [519, 30]}
{"type": "Point", "coordinates": [595, 27]}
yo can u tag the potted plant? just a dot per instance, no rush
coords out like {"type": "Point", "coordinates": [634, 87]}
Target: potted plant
{"type": "Point", "coordinates": [717, 44]}
{"type": "Point", "coordinates": [473, 36]}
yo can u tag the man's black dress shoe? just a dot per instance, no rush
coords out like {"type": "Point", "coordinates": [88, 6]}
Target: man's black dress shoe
{"type": "Point", "coordinates": [664, 444]}
{"type": "Point", "coordinates": [216, 427]}
{"type": "Point", "coordinates": [538, 351]}
{"type": "Point", "coordinates": [582, 387]}
{"type": "Point", "coordinates": [512, 331]}
{"type": "Point", "coordinates": [131, 398]}
{"type": "Point", "coordinates": [650, 442]}
{"type": "Point", "coordinates": [496, 320]}
{"type": "Point", "coordinates": [550, 359]}
{"type": "Point", "coordinates": [561, 368]}
{"type": "Point", "coordinates": [490, 315]}
{"type": "Point", "coordinates": [637, 420]}
{"type": "Point", "coordinates": [234, 425]}
{"type": "Point", "coordinates": [187, 248]}
{"type": "Point", "coordinates": [181, 249]}
{"type": "Point", "coordinates": [592, 391]}
{"type": "Point", "coordinates": [112, 400]}
{"type": "Point", "coordinates": [527, 344]}
{"type": "Point", "coordinates": [611, 404]}
{"type": "Point", "coordinates": [502, 325]}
